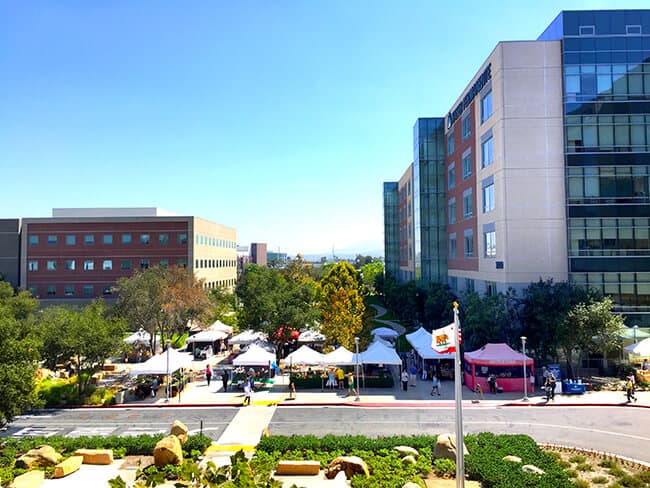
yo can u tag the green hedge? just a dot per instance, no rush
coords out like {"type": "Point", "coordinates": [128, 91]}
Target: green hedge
{"type": "Point", "coordinates": [284, 443]}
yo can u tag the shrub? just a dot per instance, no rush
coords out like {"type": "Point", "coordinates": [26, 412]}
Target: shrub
{"type": "Point", "coordinates": [578, 459]}
{"type": "Point", "coordinates": [631, 481]}
{"type": "Point", "coordinates": [616, 472]}
{"type": "Point", "coordinates": [607, 463]}
{"type": "Point", "coordinates": [581, 484]}
{"type": "Point", "coordinates": [584, 467]}
{"type": "Point", "coordinates": [571, 473]}
{"type": "Point", "coordinates": [343, 443]}
{"type": "Point", "coordinates": [599, 480]}
{"type": "Point", "coordinates": [445, 468]}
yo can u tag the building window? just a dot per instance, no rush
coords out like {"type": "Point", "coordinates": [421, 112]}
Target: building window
{"type": "Point", "coordinates": [51, 240]}
{"type": "Point", "coordinates": [468, 243]}
{"type": "Point", "coordinates": [33, 240]}
{"type": "Point", "coordinates": [587, 30]}
{"type": "Point", "coordinates": [451, 176]}
{"type": "Point", "coordinates": [633, 30]}
{"type": "Point", "coordinates": [107, 264]}
{"type": "Point", "coordinates": [487, 152]}
{"type": "Point", "coordinates": [453, 283]}
{"type": "Point", "coordinates": [452, 246]}
{"type": "Point", "coordinates": [108, 239]}
{"type": "Point", "coordinates": [144, 264]}
{"type": "Point", "coordinates": [490, 288]}
{"type": "Point", "coordinates": [34, 291]}
{"type": "Point", "coordinates": [488, 198]}
{"type": "Point", "coordinates": [68, 290]}
{"type": "Point", "coordinates": [182, 262]}
{"type": "Point", "coordinates": [467, 165]}
{"type": "Point", "coordinates": [51, 290]}
{"type": "Point", "coordinates": [126, 238]}
{"type": "Point", "coordinates": [486, 106]}
{"type": "Point", "coordinates": [490, 243]}
{"type": "Point", "coordinates": [197, 263]}
{"type": "Point", "coordinates": [182, 238]}
{"type": "Point", "coordinates": [125, 264]}
{"type": "Point", "coordinates": [452, 210]}
{"type": "Point", "coordinates": [70, 264]}
{"type": "Point", "coordinates": [89, 265]}
{"type": "Point", "coordinates": [107, 290]}
{"type": "Point", "coordinates": [468, 209]}
{"type": "Point", "coordinates": [450, 143]}
{"type": "Point", "coordinates": [32, 265]}
{"type": "Point", "coordinates": [469, 284]}
{"type": "Point", "coordinates": [145, 238]}
{"type": "Point", "coordinates": [88, 290]}
{"type": "Point", "coordinates": [163, 239]}
{"type": "Point", "coordinates": [164, 263]}
{"type": "Point", "coordinates": [51, 266]}
{"type": "Point", "coordinates": [467, 126]}
{"type": "Point", "coordinates": [70, 240]}
{"type": "Point", "coordinates": [89, 239]}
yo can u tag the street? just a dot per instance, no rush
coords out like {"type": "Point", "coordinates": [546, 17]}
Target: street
{"type": "Point", "coordinates": [619, 430]}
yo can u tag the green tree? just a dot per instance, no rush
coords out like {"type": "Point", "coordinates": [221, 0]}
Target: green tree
{"type": "Point", "coordinates": [486, 319]}
{"type": "Point", "coordinates": [369, 274]}
{"type": "Point", "coordinates": [438, 305]}
{"type": "Point", "coordinates": [86, 338]}
{"type": "Point", "coordinates": [19, 353]}
{"type": "Point", "coordinates": [341, 304]}
{"type": "Point", "coordinates": [222, 305]}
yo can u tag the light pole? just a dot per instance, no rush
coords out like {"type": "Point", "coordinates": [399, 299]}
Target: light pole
{"type": "Point", "coordinates": [167, 392]}
{"type": "Point", "coordinates": [635, 329]}
{"type": "Point", "coordinates": [356, 345]}
{"type": "Point", "coordinates": [523, 347]}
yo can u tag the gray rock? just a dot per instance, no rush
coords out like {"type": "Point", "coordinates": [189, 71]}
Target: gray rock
{"type": "Point", "coordinates": [514, 459]}
{"type": "Point", "coordinates": [529, 468]}
{"type": "Point", "coordinates": [409, 460]}
{"type": "Point", "coordinates": [410, 484]}
{"type": "Point", "coordinates": [445, 447]}
{"type": "Point", "coordinates": [407, 451]}
{"type": "Point", "coordinates": [351, 465]}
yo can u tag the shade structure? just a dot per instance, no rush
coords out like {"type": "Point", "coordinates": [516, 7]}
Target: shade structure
{"type": "Point", "coordinates": [247, 337]}
{"type": "Point", "coordinates": [341, 357]}
{"type": "Point", "coordinates": [208, 335]}
{"type": "Point", "coordinates": [158, 364]}
{"type": "Point", "coordinates": [630, 333]}
{"type": "Point", "coordinates": [219, 325]}
{"type": "Point", "coordinates": [502, 361]}
{"type": "Point", "coordinates": [304, 355]}
{"type": "Point", "coordinates": [420, 340]}
{"type": "Point", "coordinates": [640, 349]}
{"type": "Point", "coordinates": [309, 335]}
{"type": "Point", "coordinates": [379, 353]}
{"type": "Point", "coordinates": [254, 356]}
{"type": "Point", "coordinates": [139, 337]}
{"type": "Point", "coordinates": [384, 332]}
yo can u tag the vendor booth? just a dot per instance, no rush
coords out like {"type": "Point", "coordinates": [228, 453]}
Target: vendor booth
{"type": "Point", "coordinates": [255, 356]}
{"type": "Point", "coordinates": [503, 362]}
{"type": "Point", "coordinates": [304, 355]}
{"type": "Point", "coordinates": [420, 340]}
{"type": "Point", "coordinates": [209, 341]}
{"type": "Point", "coordinates": [247, 337]}
{"type": "Point", "coordinates": [341, 357]}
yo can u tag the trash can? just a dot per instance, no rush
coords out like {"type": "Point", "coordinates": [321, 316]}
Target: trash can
{"type": "Point", "coordinates": [119, 397]}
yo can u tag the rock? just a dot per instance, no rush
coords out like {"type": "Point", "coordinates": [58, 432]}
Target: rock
{"type": "Point", "coordinates": [43, 457]}
{"type": "Point", "coordinates": [70, 465]}
{"type": "Point", "coordinates": [446, 447]}
{"type": "Point", "coordinates": [303, 468]}
{"type": "Point", "coordinates": [179, 429]}
{"type": "Point", "coordinates": [407, 451]}
{"type": "Point", "coordinates": [514, 459]}
{"type": "Point", "coordinates": [410, 484]}
{"type": "Point", "coordinates": [409, 460]}
{"type": "Point", "coordinates": [529, 468]}
{"type": "Point", "coordinates": [96, 456]}
{"type": "Point", "coordinates": [351, 465]}
{"type": "Point", "coordinates": [30, 479]}
{"type": "Point", "coordinates": [168, 451]}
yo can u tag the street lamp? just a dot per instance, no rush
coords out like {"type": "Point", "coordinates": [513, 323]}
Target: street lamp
{"type": "Point", "coordinates": [356, 345]}
{"type": "Point", "coordinates": [635, 329]}
{"type": "Point", "coordinates": [523, 347]}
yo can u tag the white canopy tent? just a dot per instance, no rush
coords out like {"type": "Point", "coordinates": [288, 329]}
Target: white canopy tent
{"type": "Point", "coordinates": [379, 353]}
{"type": "Point", "coordinates": [309, 335]}
{"type": "Point", "coordinates": [420, 340]}
{"type": "Point", "coordinates": [158, 364]}
{"type": "Point", "coordinates": [640, 348]}
{"type": "Point", "coordinates": [208, 335]}
{"type": "Point", "coordinates": [304, 355]}
{"type": "Point", "coordinates": [385, 333]}
{"type": "Point", "coordinates": [139, 337]}
{"type": "Point", "coordinates": [341, 357]}
{"type": "Point", "coordinates": [247, 337]}
{"type": "Point", "coordinates": [254, 356]}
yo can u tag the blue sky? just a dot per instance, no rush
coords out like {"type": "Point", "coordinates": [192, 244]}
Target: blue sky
{"type": "Point", "coordinates": [279, 118]}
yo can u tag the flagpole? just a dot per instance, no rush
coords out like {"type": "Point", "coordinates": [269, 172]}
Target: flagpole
{"type": "Point", "coordinates": [460, 458]}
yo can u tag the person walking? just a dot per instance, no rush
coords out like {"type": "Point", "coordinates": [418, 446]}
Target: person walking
{"type": "Point", "coordinates": [340, 377]}
{"type": "Point", "coordinates": [208, 374]}
{"type": "Point", "coordinates": [224, 380]}
{"type": "Point", "coordinates": [351, 389]}
{"type": "Point", "coordinates": [629, 389]}
{"type": "Point", "coordinates": [247, 392]}
{"type": "Point", "coordinates": [405, 380]}
{"type": "Point", "coordinates": [154, 387]}
{"type": "Point", "coordinates": [435, 385]}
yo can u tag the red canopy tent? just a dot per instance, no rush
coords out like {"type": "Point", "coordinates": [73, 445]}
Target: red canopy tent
{"type": "Point", "coordinates": [502, 361]}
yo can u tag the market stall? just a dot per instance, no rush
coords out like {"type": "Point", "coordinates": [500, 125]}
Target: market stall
{"type": "Point", "coordinates": [503, 362]}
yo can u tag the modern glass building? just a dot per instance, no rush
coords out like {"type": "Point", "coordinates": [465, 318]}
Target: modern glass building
{"type": "Point", "coordinates": [606, 75]}
{"type": "Point", "coordinates": [391, 229]}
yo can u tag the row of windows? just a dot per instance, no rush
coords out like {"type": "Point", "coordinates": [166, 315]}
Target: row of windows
{"type": "Point", "coordinates": [214, 263]}
{"type": "Point", "coordinates": [220, 283]}
{"type": "Point", "coordinates": [107, 239]}
{"type": "Point", "coordinates": [489, 244]}
{"type": "Point", "coordinates": [468, 210]}
{"type": "Point", "coordinates": [487, 158]}
{"type": "Point", "coordinates": [606, 81]}
{"type": "Point", "coordinates": [608, 184]}
{"type": "Point", "coordinates": [628, 289]}
{"type": "Point", "coordinates": [87, 291]}
{"type": "Point", "coordinates": [466, 127]}
{"type": "Point", "coordinates": [593, 133]}
{"type": "Point", "coordinates": [609, 237]}
{"type": "Point", "coordinates": [213, 241]}
{"type": "Point", "coordinates": [89, 264]}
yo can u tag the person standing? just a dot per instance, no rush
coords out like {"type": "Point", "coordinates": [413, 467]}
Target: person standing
{"type": "Point", "coordinates": [492, 383]}
{"type": "Point", "coordinates": [331, 380]}
{"type": "Point", "coordinates": [413, 374]}
{"type": "Point", "coordinates": [247, 392]}
{"type": "Point", "coordinates": [435, 385]}
{"type": "Point", "coordinates": [208, 374]}
{"type": "Point", "coordinates": [351, 389]}
{"type": "Point", "coordinates": [629, 389]}
{"type": "Point", "coordinates": [154, 387]}
{"type": "Point", "coordinates": [340, 376]}
{"type": "Point", "coordinates": [405, 380]}
{"type": "Point", "coordinates": [224, 380]}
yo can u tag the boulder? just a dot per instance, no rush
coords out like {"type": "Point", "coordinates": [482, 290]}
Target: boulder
{"type": "Point", "coordinates": [529, 468]}
{"type": "Point", "coordinates": [409, 460]}
{"type": "Point", "coordinates": [446, 447]}
{"type": "Point", "coordinates": [410, 484]}
{"type": "Point", "coordinates": [407, 451]}
{"type": "Point", "coordinates": [42, 457]}
{"type": "Point", "coordinates": [168, 451]}
{"type": "Point", "coordinates": [513, 459]}
{"type": "Point", "coordinates": [30, 479]}
{"type": "Point", "coordinates": [180, 430]}
{"type": "Point", "coordinates": [303, 468]}
{"type": "Point", "coordinates": [350, 465]}
{"type": "Point", "coordinates": [96, 456]}
{"type": "Point", "coordinates": [70, 465]}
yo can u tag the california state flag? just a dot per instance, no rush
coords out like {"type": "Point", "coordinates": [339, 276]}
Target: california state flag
{"type": "Point", "coordinates": [443, 340]}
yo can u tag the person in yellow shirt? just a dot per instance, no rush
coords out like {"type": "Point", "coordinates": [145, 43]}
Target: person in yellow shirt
{"type": "Point", "coordinates": [340, 378]}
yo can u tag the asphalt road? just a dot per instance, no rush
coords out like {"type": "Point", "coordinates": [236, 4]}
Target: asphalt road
{"type": "Point", "coordinates": [619, 430]}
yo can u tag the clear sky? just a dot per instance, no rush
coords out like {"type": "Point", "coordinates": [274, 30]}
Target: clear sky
{"type": "Point", "coordinates": [278, 118]}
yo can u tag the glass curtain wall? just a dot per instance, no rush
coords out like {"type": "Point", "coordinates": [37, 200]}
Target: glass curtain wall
{"type": "Point", "coordinates": [391, 229]}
